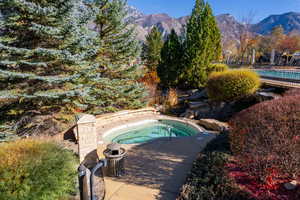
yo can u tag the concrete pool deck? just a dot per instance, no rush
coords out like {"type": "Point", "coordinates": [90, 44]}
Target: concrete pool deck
{"type": "Point", "coordinates": [155, 170]}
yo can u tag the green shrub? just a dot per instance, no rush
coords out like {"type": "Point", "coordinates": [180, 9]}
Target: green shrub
{"type": "Point", "coordinates": [218, 68]}
{"type": "Point", "coordinates": [232, 85]}
{"type": "Point", "coordinates": [208, 179]}
{"type": "Point", "coordinates": [34, 170]}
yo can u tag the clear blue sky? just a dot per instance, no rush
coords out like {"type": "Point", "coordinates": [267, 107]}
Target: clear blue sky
{"type": "Point", "coordinates": [238, 8]}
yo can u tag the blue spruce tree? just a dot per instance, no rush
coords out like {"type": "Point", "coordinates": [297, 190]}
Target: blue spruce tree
{"type": "Point", "coordinates": [48, 62]}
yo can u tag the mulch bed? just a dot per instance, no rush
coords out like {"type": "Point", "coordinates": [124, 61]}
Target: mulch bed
{"type": "Point", "coordinates": [274, 190]}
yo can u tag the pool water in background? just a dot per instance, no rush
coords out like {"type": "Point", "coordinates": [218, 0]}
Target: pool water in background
{"type": "Point", "coordinates": [291, 75]}
{"type": "Point", "coordinates": [149, 131]}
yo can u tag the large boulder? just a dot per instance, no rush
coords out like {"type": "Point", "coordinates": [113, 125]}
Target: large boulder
{"type": "Point", "coordinates": [212, 124]}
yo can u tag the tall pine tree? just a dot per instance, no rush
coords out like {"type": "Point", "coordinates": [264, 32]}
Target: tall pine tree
{"type": "Point", "coordinates": [152, 47]}
{"type": "Point", "coordinates": [118, 37]}
{"type": "Point", "coordinates": [202, 45]}
{"type": "Point", "coordinates": [170, 67]}
{"type": "Point", "coordinates": [118, 57]}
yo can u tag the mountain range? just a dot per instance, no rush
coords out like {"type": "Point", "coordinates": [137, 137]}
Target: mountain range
{"type": "Point", "coordinates": [229, 26]}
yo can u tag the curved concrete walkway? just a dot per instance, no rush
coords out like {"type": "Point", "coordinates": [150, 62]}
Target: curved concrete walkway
{"type": "Point", "coordinates": [156, 170]}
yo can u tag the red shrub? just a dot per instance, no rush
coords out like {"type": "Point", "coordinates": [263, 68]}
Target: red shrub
{"type": "Point", "coordinates": [292, 92]}
{"type": "Point", "coordinates": [266, 139]}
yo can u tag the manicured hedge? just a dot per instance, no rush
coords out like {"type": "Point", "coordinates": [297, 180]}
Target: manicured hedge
{"type": "Point", "coordinates": [34, 170]}
{"type": "Point", "coordinates": [208, 179]}
{"type": "Point", "coordinates": [232, 85]}
{"type": "Point", "coordinates": [265, 139]}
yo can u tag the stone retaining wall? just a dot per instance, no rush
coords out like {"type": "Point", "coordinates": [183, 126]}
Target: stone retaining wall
{"type": "Point", "coordinates": [100, 119]}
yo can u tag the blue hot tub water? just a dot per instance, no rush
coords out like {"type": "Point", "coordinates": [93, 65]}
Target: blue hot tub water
{"type": "Point", "coordinates": [149, 131]}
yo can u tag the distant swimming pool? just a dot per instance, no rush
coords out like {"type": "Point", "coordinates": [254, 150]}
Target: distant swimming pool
{"type": "Point", "coordinates": [291, 75]}
{"type": "Point", "coordinates": [150, 130]}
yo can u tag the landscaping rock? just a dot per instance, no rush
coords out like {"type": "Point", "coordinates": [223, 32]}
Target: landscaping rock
{"type": "Point", "coordinates": [192, 91]}
{"type": "Point", "coordinates": [265, 96]}
{"type": "Point", "coordinates": [198, 95]}
{"type": "Point", "coordinates": [190, 114]}
{"type": "Point", "coordinates": [203, 112]}
{"type": "Point", "coordinates": [213, 124]}
{"type": "Point", "coordinates": [193, 95]}
{"type": "Point", "coordinates": [198, 104]}
{"type": "Point", "coordinates": [291, 185]}
{"type": "Point", "coordinates": [268, 90]}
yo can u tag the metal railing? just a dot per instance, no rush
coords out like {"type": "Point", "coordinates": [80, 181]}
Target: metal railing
{"type": "Point", "coordinates": [82, 173]}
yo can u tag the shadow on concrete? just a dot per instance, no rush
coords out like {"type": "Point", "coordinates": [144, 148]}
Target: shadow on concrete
{"type": "Point", "coordinates": [163, 164]}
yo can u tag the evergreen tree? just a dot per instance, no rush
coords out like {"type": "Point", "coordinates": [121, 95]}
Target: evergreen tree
{"type": "Point", "coordinates": [152, 48]}
{"type": "Point", "coordinates": [47, 62]}
{"type": "Point", "coordinates": [169, 68]}
{"type": "Point", "coordinates": [46, 53]}
{"type": "Point", "coordinates": [117, 56]}
{"type": "Point", "coordinates": [118, 37]}
{"type": "Point", "coordinates": [202, 45]}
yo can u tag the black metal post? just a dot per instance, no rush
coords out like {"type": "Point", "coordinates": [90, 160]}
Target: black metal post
{"type": "Point", "coordinates": [81, 175]}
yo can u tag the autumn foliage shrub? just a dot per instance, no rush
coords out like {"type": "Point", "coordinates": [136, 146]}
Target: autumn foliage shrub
{"type": "Point", "coordinates": [150, 78]}
{"type": "Point", "coordinates": [151, 81]}
{"type": "Point", "coordinates": [172, 98]}
{"type": "Point", "coordinates": [265, 139]}
{"type": "Point", "coordinates": [232, 85]}
{"type": "Point", "coordinates": [36, 170]}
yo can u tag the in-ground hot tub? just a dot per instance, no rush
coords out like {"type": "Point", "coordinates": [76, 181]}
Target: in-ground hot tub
{"type": "Point", "coordinates": [148, 130]}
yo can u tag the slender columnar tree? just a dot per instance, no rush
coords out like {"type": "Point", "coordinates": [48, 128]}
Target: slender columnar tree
{"type": "Point", "coordinates": [152, 47]}
{"type": "Point", "coordinates": [169, 68]}
{"type": "Point", "coordinates": [202, 45]}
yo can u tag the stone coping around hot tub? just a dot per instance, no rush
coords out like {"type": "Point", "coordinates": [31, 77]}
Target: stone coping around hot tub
{"type": "Point", "coordinates": [134, 119]}
{"type": "Point", "coordinates": [108, 119]}
{"type": "Point", "coordinates": [126, 113]}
